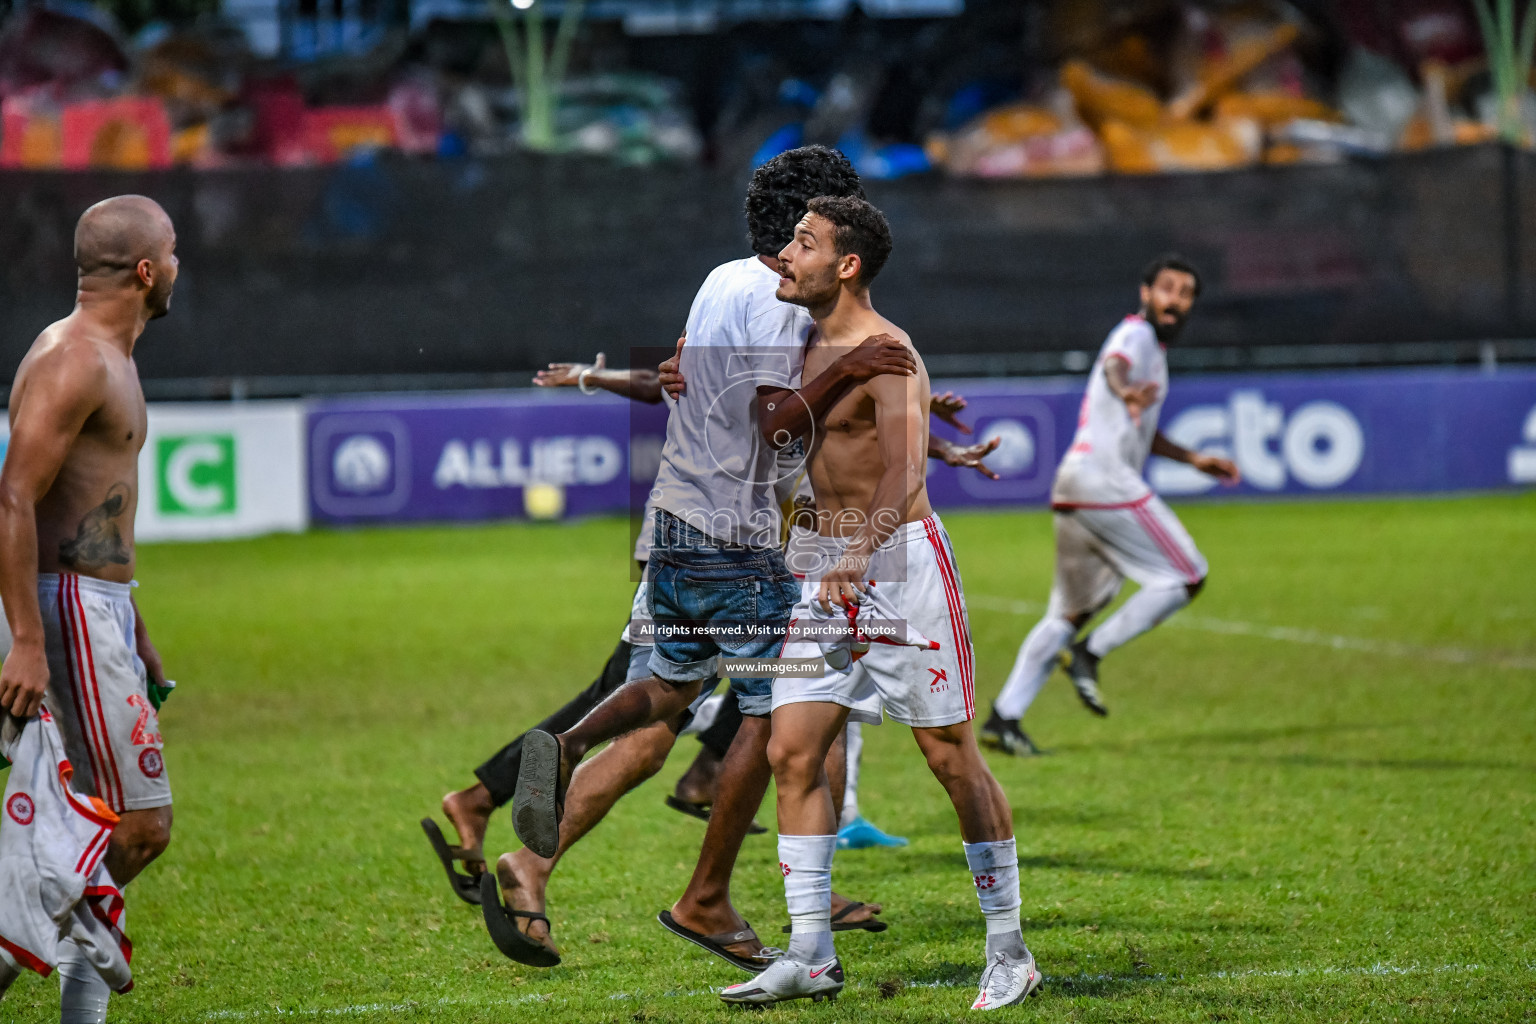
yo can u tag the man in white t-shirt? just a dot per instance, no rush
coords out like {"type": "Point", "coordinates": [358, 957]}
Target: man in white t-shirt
{"type": "Point", "coordinates": [716, 582]}
{"type": "Point", "coordinates": [1109, 524]}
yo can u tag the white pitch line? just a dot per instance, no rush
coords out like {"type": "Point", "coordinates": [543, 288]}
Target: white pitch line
{"type": "Point", "coordinates": [1290, 634]}
{"type": "Point", "coordinates": [1377, 969]}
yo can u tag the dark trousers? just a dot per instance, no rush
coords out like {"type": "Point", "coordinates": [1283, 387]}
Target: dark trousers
{"type": "Point", "coordinates": [499, 773]}
{"type": "Point", "coordinates": [717, 738]}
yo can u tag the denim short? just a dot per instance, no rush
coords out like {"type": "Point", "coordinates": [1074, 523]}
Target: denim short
{"type": "Point", "coordinates": [710, 599]}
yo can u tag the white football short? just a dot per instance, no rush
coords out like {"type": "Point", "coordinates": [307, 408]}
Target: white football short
{"type": "Point", "coordinates": [916, 573]}
{"type": "Point", "coordinates": [1098, 547]}
{"type": "Point", "coordinates": [98, 691]}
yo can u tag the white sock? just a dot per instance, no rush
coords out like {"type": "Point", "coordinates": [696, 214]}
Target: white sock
{"type": "Point", "coordinates": [1150, 606]}
{"type": "Point", "coordinates": [83, 992]}
{"type": "Point", "coordinates": [806, 862]}
{"type": "Point", "coordinates": [855, 739]}
{"type": "Point", "coordinates": [995, 872]}
{"type": "Point", "coordinates": [1037, 656]}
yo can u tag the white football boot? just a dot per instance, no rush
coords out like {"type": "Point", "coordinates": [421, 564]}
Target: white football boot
{"type": "Point", "coordinates": [786, 979]}
{"type": "Point", "coordinates": [1007, 982]}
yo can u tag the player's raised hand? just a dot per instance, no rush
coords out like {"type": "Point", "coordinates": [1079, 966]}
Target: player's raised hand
{"type": "Point", "coordinates": [878, 354]}
{"type": "Point", "coordinates": [670, 372]}
{"type": "Point", "coordinates": [1224, 470]}
{"type": "Point", "coordinates": [567, 375]}
{"type": "Point", "coordinates": [947, 408]}
{"type": "Point", "coordinates": [970, 456]}
{"type": "Point", "coordinates": [1138, 397]}
{"type": "Point", "coordinates": [24, 680]}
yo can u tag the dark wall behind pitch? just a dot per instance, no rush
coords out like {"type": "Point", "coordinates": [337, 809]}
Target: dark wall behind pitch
{"type": "Point", "coordinates": [401, 267]}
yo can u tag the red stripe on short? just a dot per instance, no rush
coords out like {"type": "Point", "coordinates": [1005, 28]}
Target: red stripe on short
{"type": "Point", "coordinates": [1169, 546]}
{"type": "Point", "coordinates": [959, 629]}
{"type": "Point", "coordinates": [90, 661]}
{"type": "Point", "coordinates": [77, 688]}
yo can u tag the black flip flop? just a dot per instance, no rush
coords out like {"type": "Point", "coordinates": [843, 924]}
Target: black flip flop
{"type": "Point", "coordinates": [874, 924]}
{"type": "Point", "coordinates": [716, 943]}
{"type": "Point", "coordinates": [701, 811]}
{"type": "Point", "coordinates": [509, 938]}
{"type": "Point", "coordinates": [465, 886]}
{"type": "Point", "coordinates": [538, 804]}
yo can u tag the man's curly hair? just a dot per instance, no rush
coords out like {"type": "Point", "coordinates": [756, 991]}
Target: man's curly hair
{"type": "Point", "coordinates": [781, 188]}
{"type": "Point", "coordinates": [860, 229]}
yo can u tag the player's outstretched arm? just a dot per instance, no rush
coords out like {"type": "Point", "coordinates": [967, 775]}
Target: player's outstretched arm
{"type": "Point", "coordinates": [784, 415]}
{"type": "Point", "coordinates": [63, 388]}
{"type": "Point", "coordinates": [639, 385]}
{"type": "Point", "coordinates": [1224, 470]}
{"type": "Point", "coordinates": [900, 419]}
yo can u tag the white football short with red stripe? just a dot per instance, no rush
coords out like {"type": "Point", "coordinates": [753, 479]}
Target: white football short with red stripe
{"type": "Point", "coordinates": [97, 691]}
{"type": "Point", "coordinates": [1099, 545]}
{"type": "Point", "coordinates": [917, 578]}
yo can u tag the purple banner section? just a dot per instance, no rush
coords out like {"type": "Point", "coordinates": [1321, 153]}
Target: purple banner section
{"type": "Point", "coordinates": [406, 458]}
{"type": "Point", "coordinates": [489, 456]}
{"type": "Point", "coordinates": [1356, 432]}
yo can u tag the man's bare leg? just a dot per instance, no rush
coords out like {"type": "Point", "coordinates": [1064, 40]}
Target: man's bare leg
{"type": "Point", "coordinates": [632, 706]}
{"type": "Point", "coordinates": [986, 826]}
{"type": "Point", "coordinates": [956, 761]}
{"type": "Point", "coordinates": [595, 788]}
{"type": "Point", "coordinates": [705, 906]}
{"type": "Point", "coordinates": [469, 812]}
{"type": "Point", "coordinates": [140, 837]}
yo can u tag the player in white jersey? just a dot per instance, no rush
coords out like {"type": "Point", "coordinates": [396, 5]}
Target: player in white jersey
{"type": "Point", "coordinates": [1109, 524]}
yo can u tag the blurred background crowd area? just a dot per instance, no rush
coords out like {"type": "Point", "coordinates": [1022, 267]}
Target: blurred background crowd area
{"type": "Point", "coordinates": [971, 88]}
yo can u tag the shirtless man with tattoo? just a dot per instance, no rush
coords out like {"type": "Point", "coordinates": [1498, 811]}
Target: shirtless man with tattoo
{"type": "Point", "coordinates": [68, 492]}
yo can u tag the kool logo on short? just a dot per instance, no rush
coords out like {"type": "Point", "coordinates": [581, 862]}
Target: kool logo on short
{"type": "Point", "coordinates": [196, 474]}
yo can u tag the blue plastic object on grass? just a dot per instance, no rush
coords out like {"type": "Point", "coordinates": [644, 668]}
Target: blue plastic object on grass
{"type": "Point", "coordinates": [860, 834]}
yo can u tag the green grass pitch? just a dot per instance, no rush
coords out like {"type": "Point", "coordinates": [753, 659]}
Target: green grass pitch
{"type": "Point", "coordinates": [1273, 824]}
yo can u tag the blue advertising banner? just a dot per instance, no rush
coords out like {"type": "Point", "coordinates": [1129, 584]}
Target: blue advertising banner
{"type": "Point", "coordinates": [487, 456]}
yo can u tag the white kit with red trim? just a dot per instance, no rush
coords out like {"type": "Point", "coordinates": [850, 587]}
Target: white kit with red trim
{"type": "Point", "coordinates": [52, 844]}
{"type": "Point", "coordinates": [1103, 466]}
{"type": "Point", "coordinates": [923, 672]}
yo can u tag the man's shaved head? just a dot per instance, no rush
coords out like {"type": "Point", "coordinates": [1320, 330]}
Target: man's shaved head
{"type": "Point", "coordinates": [115, 234]}
{"type": "Point", "coordinates": [128, 242]}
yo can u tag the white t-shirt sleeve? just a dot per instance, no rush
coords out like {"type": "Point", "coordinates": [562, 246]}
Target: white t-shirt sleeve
{"type": "Point", "coordinates": [1133, 341]}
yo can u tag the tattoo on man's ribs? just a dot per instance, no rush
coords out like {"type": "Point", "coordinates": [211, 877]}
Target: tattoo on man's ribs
{"type": "Point", "coordinates": [99, 541]}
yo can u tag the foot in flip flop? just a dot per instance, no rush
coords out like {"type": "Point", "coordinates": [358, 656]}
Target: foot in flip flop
{"type": "Point", "coordinates": [465, 886]}
{"type": "Point", "coordinates": [740, 947]}
{"type": "Point", "coordinates": [469, 812]}
{"type": "Point", "coordinates": [853, 916]}
{"type": "Point", "coordinates": [539, 801]}
{"type": "Point", "coordinates": [520, 928]}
